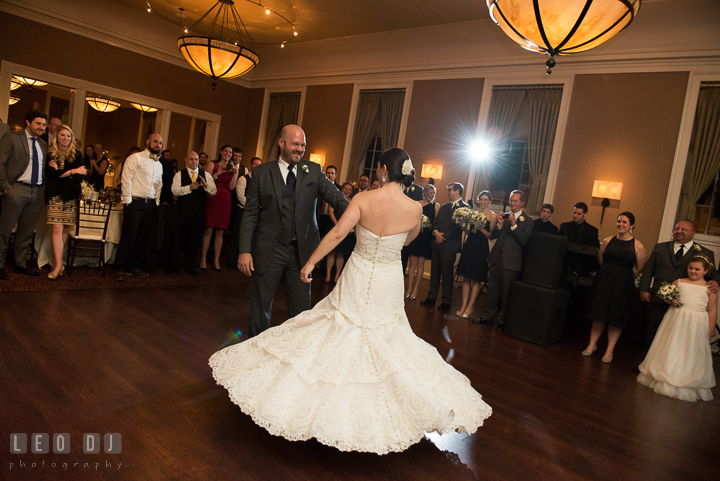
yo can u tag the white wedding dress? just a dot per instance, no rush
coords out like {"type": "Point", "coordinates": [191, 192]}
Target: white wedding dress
{"type": "Point", "coordinates": [350, 372]}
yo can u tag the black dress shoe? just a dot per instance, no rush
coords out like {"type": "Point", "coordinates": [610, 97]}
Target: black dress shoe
{"type": "Point", "coordinates": [120, 276]}
{"type": "Point", "coordinates": [444, 307]}
{"type": "Point", "coordinates": [3, 275]}
{"type": "Point", "coordinates": [26, 271]}
{"type": "Point", "coordinates": [501, 327]}
{"type": "Point", "coordinates": [192, 272]}
{"type": "Point", "coordinates": [428, 302]}
{"type": "Point", "coordinates": [140, 273]}
{"type": "Point", "coordinates": [482, 320]}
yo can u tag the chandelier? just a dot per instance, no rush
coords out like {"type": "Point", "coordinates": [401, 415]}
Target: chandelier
{"type": "Point", "coordinates": [15, 84]}
{"type": "Point", "coordinates": [102, 105]}
{"type": "Point", "coordinates": [215, 57]}
{"type": "Point", "coordinates": [144, 108]}
{"type": "Point", "coordinates": [14, 100]}
{"type": "Point", "coordinates": [562, 27]}
{"type": "Point", "coordinates": [27, 81]}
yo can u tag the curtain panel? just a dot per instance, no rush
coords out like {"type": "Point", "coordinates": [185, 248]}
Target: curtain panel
{"type": "Point", "coordinates": [283, 109]}
{"type": "Point", "coordinates": [704, 159]}
{"type": "Point", "coordinates": [544, 111]}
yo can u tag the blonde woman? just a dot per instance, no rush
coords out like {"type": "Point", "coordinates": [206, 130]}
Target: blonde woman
{"type": "Point", "coordinates": [65, 173]}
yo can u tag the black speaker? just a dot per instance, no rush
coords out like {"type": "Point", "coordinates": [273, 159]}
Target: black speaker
{"type": "Point", "coordinates": [536, 314]}
{"type": "Point", "coordinates": [543, 265]}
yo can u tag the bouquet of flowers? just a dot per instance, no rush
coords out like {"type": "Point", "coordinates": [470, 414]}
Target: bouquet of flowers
{"type": "Point", "coordinates": [668, 292]}
{"type": "Point", "coordinates": [466, 217]}
{"type": "Point", "coordinates": [86, 189]}
{"type": "Point", "coordinates": [425, 223]}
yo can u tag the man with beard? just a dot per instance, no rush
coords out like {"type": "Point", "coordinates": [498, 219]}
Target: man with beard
{"type": "Point", "coordinates": [278, 239]}
{"type": "Point", "coordinates": [141, 188]}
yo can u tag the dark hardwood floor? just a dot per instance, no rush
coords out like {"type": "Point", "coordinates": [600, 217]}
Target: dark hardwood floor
{"type": "Point", "coordinates": [134, 361]}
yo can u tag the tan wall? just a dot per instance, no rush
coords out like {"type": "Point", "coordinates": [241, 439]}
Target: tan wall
{"type": "Point", "coordinates": [117, 131]}
{"type": "Point", "coordinates": [80, 57]}
{"type": "Point", "coordinates": [252, 115]}
{"type": "Point", "coordinates": [441, 124]}
{"type": "Point", "coordinates": [621, 128]}
{"type": "Point", "coordinates": [179, 137]}
{"type": "Point", "coordinates": [325, 121]}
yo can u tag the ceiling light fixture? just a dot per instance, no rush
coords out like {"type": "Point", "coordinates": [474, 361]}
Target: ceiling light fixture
{"type": "Point", "coordinates": [144, 108]}
{"type": "Point", "coordinates": [102, 105]}
{"type": "Point", "coordinates": [14, 84]}
{"type": "Point", "coordinates": [14, 100]}
{"type": "Point", "coordinates": [215, 57]}
{"type": "Point", "coordinates": [561, 27]}
{"type": "Point", "coordinates": [29, 82]}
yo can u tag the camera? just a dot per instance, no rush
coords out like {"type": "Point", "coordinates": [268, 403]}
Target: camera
{"type": "Point", "coordinates": [506, 215]}
{"type": "Point", "coordinates": [229, 166]}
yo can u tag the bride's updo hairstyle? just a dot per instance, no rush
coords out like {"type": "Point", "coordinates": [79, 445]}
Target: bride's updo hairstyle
{"type": "Point", "coordinates": [396, 161]}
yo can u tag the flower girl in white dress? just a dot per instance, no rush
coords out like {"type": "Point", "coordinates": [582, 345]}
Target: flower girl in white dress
{"type": "Point", "coordinates": [350, 372]}
{"type": "Point", "coordinates": [679, 362]}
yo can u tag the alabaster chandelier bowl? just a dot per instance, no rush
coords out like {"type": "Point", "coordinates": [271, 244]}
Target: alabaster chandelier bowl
{"type": "Point", "coordinates": [562, 27]}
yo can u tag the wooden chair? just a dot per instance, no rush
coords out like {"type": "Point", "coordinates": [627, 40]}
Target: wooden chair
{"type": "Point", "coordinates": [91, 230]}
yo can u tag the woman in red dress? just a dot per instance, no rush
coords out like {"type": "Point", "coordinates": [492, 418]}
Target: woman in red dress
{"type": "Point", "coordinates": [218, 207]}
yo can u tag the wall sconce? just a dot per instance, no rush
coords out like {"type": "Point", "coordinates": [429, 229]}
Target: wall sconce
{"type": "Point", "coordinates": [432, 171]}
{"type": "Point", "coordinates": [607, 191]}
{"type": "Point", "coordinates": [318, 159]}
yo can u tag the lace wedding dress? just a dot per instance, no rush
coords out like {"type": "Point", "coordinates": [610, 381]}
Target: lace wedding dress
{"type": "Point", "coordinates": [350, 372]}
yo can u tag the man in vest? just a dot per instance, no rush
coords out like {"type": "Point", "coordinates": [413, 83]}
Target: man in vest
{"type": "Point", "coordinates": [191, 185]}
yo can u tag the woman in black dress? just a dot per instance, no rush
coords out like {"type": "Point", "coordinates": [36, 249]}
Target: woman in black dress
{"type": "Point", "coordinates": [622, 258]}
{"type": "Point", "coordinates": [65, 172]}
{"type": "Point", "coordinates": [419, 249]}
{"type": "Point", "coordinates": [345, 247]}
{"type": "Point", "coordinates": [473, 265]}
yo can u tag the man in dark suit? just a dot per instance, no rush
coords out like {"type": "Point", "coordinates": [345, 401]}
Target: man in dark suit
{"type": "Point", "coordinates": [543, 224]}
{"type": "Point", "coordinates": [51, 127]}
{"type": "Point", "coordinates": [279, 230]}
{"type": "Point", "coordinates": [23, 156]}
{"type": "Point", "coordinates": [446, 243]}
{"type": "Point", "coordinates": [667, 263]}
{"type": "Point", "coordinates": [512, 233]}
{"type": "Point", "coordinates": [577, 230]}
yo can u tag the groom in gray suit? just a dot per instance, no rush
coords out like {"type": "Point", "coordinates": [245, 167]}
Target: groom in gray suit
{"type": "Point", "coordinates": [279, 228]}
{"type": "Point", "coordinates": [512, 233]}
{"type": "Point", "coordinates": [667, 263]}
{"type": "Point", "coordinates": [22, 181]}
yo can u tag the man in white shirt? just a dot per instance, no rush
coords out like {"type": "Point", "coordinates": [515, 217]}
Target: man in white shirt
{"type": "Point", "coordinates": [141, 188]}
{"type": "Point", "coordinates": [190, 186]}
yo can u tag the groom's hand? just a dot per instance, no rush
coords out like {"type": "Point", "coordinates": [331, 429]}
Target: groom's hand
{"type": "Point", "coordinates": [245, 264]}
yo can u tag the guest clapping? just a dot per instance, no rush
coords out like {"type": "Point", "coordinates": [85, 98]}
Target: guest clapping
{"type": "Point", "coordinates": [218, 208]}
{"type": "Point", "coordinates": [473, 264]}
{"type": "Point", "coordinates": [621, 258]}
{"type": "Point", "coordinates": [419, 249]}
{"type": "Point", "coordinates": [65, 172]}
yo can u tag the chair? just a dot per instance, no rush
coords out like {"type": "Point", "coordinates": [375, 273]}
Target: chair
{"type": "Point", "coordinates": [91, 230]}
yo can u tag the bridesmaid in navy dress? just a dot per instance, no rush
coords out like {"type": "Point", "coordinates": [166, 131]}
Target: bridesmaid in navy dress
{"type": "Point", "coordinates": [345, 247]}
{"type": "Point", "coordinates": [473, 265]}
{"type": "Point", "coordinates": [622, 258]}
{"type": "Point", "coordinates": [419, 248]}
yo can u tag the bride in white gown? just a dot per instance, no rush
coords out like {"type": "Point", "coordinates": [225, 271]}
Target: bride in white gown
{"type": "Point", "coordinates": [350, 372]}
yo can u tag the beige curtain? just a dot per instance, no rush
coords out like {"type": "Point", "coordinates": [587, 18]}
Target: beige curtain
{"type": "Point", "coordinates": [704, 160]}
{"type": "Point", "coordinates": [504, 106]}
{"type": "Point", "coordinates": [283, 109]}
{"type": "Point", "coordinates": [367, 111]}
{"type": "Point", "coordinates": [544, 111]}
{"type": "Point", "coordinates": [390, 117]}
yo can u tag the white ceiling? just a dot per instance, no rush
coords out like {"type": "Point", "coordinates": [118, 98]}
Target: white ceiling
{"type": "Point", "coordinates": [321, 19]}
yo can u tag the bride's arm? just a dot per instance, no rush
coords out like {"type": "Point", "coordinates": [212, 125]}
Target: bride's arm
{"type": "Point", "coordinates": [347, 221]}
{"type": "Point", "coordinates": [415, 231]}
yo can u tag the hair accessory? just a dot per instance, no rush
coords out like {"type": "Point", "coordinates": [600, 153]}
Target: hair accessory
{"type": "Point", "coordinates": [407, 167]}
{"type": "Point", "coordinates": [702, 256]}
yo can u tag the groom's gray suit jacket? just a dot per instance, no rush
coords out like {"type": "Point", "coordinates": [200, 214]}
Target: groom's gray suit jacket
{"type": "Point", "coordinates": [261, 222]}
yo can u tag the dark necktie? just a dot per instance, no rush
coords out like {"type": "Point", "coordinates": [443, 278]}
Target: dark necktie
{"type": "Point", "coordinates": [35, 176]}
{"type": "Point", "coordinates": [679, 253]}
{"type": "Point", "coordinates": [291, 180]}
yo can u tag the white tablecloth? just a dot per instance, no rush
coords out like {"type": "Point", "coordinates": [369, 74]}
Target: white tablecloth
{"type": "Point", "coordinates": [43, 241]}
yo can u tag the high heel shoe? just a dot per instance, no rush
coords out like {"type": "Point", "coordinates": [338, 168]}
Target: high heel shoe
{"type": "Point", "coordinates": [53, 277]}
{"type": "Point", "coordinates": [606, 360]}
{"type": "Point", "coordinates": [589, 353]}
{"type": "Point", "coordinates": [62, 271]}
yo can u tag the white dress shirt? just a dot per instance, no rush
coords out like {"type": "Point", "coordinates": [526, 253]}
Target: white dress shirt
{"type": "Point", "coordinates": [241, 187]}
{"type": "Point", "coordinates": [141, 177]}
{"type": "Point", "coordinates": [687, 247]}
{"type": "Point", "coordinates": [284, 169]}
{"type": "Point", "coordinates": [26, 177]}
{"type": "Point", "coordinates": [179, 190]}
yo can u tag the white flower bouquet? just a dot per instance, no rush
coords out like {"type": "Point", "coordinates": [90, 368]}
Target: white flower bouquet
{"type": "Point", "coordinates": [86, 189]}
{"type": "Point", "coordinates": [466, 217]}
{"type": "Point", "coordinates": [425, 223]}
{"type": "Point", "coordinates": [668, 292]}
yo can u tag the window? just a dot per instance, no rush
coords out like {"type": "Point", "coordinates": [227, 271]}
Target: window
{"type": "Point", "coordinates": [372, 156]}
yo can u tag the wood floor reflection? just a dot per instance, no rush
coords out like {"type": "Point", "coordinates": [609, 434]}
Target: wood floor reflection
{"type": "Point", "coordinates": [134, 362]}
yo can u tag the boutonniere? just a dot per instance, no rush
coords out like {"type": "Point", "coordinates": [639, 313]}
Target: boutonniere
{"type": "Point", "coordinates": [412, 189]}
{"type": "Point", "coordinates": [697, 248]}
{"type": "Point", "coordinates": [521, 219]}
{"type": "Point", "coordinates": [304, 169]}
